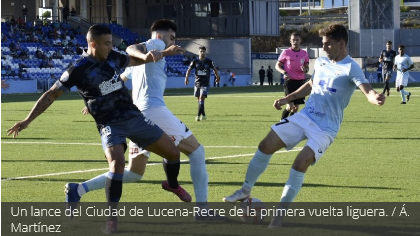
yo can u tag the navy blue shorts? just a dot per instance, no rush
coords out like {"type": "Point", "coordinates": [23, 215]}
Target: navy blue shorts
{"type": "Point", "coordinates": [200, 91]}
{"type": "Point", "coordinates": [138, 129]}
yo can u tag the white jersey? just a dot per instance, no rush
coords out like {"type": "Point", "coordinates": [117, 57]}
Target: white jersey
{"type": "Point", "coordinates": [333, 86]}
{"type": "Point", "coordinates": [403, 62]}
{"type": "Point", "coordinates": [149, 80]}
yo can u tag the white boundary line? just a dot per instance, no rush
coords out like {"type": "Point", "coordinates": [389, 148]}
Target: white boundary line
{"type": "Point", "coordinates": [150, 164]}
{"type": "Point", "coordinates": [98, 144]}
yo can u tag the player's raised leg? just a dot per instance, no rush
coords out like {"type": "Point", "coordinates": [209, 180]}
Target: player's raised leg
{"type": "Point", "coordinates": [270, 144]}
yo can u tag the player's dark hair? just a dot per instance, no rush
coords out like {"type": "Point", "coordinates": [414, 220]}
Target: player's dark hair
{"type": "Point", "coordinates": [96, 31]}
{"type": "Point", "coordinates": [295, 34]}
{"type": "Point", "coordinates": [202, 48]}
{"type": "Point", "coordinates": [164, 25]}
{"type": "Point", "coordinates": [401, 46]}
{"type": "Point", "coordinates": [336, 32]}
{"type": "Point", "coordinates": [389, 42]}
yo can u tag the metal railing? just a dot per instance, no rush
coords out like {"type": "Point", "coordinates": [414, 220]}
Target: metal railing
{"type": "Point", "coordinates": [413, 17]}
{"type": "Point", "coordinates": [299, 20]}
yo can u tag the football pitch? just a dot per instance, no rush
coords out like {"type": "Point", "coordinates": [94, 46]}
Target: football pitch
{"type": "Point", "coordinates": [375, 157]}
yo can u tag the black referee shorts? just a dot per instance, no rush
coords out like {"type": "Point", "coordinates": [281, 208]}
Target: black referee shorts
{"type": "Point", "coordinates": [290, 86]}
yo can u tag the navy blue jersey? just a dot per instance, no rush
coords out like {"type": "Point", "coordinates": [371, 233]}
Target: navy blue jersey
{"type": "Point", "coordinates": [101, 87]}
{"type": "Point", "coordinates": [388, 59]}
{"type": "Point", "coordinates": [202, 71]}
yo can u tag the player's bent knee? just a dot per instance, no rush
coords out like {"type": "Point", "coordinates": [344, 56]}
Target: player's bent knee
{"type": "Point", "coordinates": [172, 154]}
{"type": "Point", "coordinates": [302, 165]}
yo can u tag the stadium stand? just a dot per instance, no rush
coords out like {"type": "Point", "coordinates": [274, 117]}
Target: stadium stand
{"type": "Point", "coordinates": [26, 51]}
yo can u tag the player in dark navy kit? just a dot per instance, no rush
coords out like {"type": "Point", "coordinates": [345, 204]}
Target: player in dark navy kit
{"type": "Point", "coordinates": [387, 57]}
{"type": "Point", "coordinates": [202, 66]}
{"type": "Point", "coordinates": [97, 77]}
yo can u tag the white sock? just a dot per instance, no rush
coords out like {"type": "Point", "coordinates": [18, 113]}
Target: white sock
{"type": "Point", "coordinates": [199, 174]}
{"type": "Point", "coordinates": [99, 181]}
{"type": "Point", "coordinates": [256, 167]}
{"type": "Point", "coordinates": [292, 186]}
{"type": "Point", "coordinates": [403, 93]}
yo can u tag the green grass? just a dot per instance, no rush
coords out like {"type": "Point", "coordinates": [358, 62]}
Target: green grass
{"type": "Point", "coordinates": [374, 157]}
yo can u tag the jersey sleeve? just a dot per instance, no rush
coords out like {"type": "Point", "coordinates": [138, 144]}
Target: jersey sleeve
{"type": "Point", "coordinates": [306, 58]}
{"type": "Point", "coordinates": [381, 55]}
{"type": "Point", "coordinates": [68, 79]}
{"type": "Point", "coordinates": [282, 57]}
{"type": "Point", "coordinates": [192, 64]}
{"type": "Point", "coordinates": [212, 64]}
{"type": "Point", "coordinates": [127, 72]}
{"type": "Point", "coordinates": [409, 61]}
{"type": "Point", "coordinates": [154, 44]}
{"type": "Point", "coordinates": [356, 75]}
{"type": "Point", "coordinates": [121, 60]}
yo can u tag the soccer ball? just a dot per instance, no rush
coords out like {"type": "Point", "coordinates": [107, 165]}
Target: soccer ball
{"type": "Point", "coordinates": [252, 209]}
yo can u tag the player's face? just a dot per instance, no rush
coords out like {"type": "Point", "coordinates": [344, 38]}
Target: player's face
{"type": "Point", "coordinates": [102, 45]}
{"type": "Point", "coordinates": [201, 52]}
{"type": "Point", "coordinates": [388, 46]}
{"type": "Point", "coordinates": [295, 41]}
{"type": "Point", "coordinates": [331, 47]}
{"type": "Point", "coordinates": [168, 37]}
{"type": "Point", "coordinates": [401, 51]}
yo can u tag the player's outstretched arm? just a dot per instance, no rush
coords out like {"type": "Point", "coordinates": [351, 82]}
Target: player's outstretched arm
{"type": "Point", "coordinates": [173, 50]}
{"type": "Point", "coordinates": [40, 106]}
{"type": "Point", "coordinates": [187, 75]}
{"type": "Point", "coordinates": [303, 91]}
{"type": "Point", "coordinates": [139, 55]}
{"type": "Point", "coordinates": [217, 75]}
{"type": "Point", "coordinates": [372, 96]}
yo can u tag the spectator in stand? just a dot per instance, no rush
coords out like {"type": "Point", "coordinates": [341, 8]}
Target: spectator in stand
{"type": "Point", "coordinates": [38, 53]}
{"type": "Point", "coordinates": [57, 25]}
{"type": "Point", "coordinates": [44, 63]}
{"type": "Point", "coordinates": [73, 12]}
{"type": "Point", "coordinates": [7, 21]}
{"type": "Point", "coordinates": [35, 39]}
{"type": "Point", "coordinates": [57, 42]}
{"type": "Point", "coordinates": [79, 50]}
{"type": "Point", "coordinates": [122, 45]}
{"type": "Point", "coordinates": [37, 22]}
{"type": "Point", "coordinates": [64, 42]}
{"type": "Point", "coordinates": [57, 54]}
{"type": "Point", "coordinates": [73, 41]}
{"type": "Point", "coordinates": [21, 23]}
{"type": "Point", "coordinates": [4, 85]}
{"type": "Point", "coordinates": [50, 63]}
{"type": "Point", "coordinates": [3, 37]}
{"type": "Point", "coordinates": [13, 21]}
{"type": "Point", "coordinates": [23, 55]}
{"type": "Point", "coordinates": [78, 30]}
{"type": "Point", "coordinates": [17, 47]}
{"type": "Point", "coordinates": [24, 12]}
{"type": "Point", "coordinates": [66, 12]}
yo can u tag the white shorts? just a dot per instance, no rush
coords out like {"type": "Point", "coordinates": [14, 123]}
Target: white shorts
{"type": "Point", "coordinates": [298, 127]}
{"type": "Point", "coordinates": [169, 123]}
{"type": "Point", "coordinates": [402, 79]}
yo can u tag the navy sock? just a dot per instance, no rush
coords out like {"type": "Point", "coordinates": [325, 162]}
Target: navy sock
{"type": "Point", "coordinates": [172, 171]}
{"type": "Point", "coordinates": [285, 114]}
{"type": "Point", "coordinates": [113, 191]}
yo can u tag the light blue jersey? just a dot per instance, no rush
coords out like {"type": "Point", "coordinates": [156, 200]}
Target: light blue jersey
{"type": "Point", "coordinates": [149, 80]}
{"type": "Point", "coordinates": [333, 86]}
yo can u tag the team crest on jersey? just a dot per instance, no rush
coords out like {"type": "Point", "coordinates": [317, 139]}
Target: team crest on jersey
{"type": "Point", "coordinates": [111, 85]}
